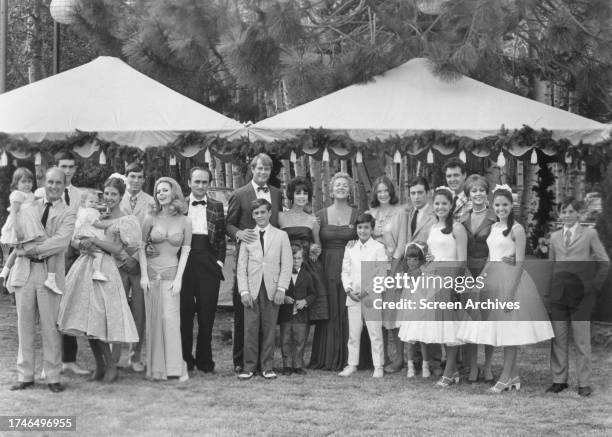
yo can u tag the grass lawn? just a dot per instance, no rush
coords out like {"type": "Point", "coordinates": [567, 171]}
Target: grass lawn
{"type": "Point", "coordinates": [319, 403]}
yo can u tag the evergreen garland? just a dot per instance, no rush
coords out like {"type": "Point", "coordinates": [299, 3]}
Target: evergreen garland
{"type": "Point", "coordinates": [546, 204]}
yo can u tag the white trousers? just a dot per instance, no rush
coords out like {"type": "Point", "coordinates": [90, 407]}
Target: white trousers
{"type": "Point", "coordinates": [355, 319]}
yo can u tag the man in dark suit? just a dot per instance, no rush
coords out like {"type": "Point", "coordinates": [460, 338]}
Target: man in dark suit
{"type": "Point", "coordinates": [204, 271]}
{"type": "Point", "coordinates": [240, 227]}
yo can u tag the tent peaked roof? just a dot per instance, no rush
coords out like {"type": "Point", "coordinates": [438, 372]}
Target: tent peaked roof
{"type": "Point", "coordinates": [409, 99]}
{"type": "Point", "coordinates": [107, 96]}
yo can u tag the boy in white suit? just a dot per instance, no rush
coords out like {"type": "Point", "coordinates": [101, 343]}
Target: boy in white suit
{"type": "Point", "coordinates": [365, 249]}
{"type": "Point", "coordinates": [263, 272]}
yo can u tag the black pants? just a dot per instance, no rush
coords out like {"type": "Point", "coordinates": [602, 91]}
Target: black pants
{"type": "Point", "coordinates": [69, 349]}
{"type": "Point", "coordinates": [238, 340]}
{"type": "Point", "coordinates": [199, 295]}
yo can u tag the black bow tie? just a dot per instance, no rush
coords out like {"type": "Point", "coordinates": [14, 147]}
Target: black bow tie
{"type": "Point", "coordinates": [198, 202]}
{"type": "Point", "coordinates": [264, 189]}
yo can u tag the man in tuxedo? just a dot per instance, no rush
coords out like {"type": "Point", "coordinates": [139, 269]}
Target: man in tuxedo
{"type": "Point", "coordinates": [579, 271]}
{"type": "Point", "coordinates": [455, 174]}
{"type": "Point", "coordinates": [263, 274]}
{"type": "Point", "coordinates": [240, 224]}
{"type": "Point", "coordinates": [204, 271]}
{"type": "Point", "coordinates": [137, 203]}
{"type": "Point", "coordinates": [32, 297]}
{"type": "Point", "coordinates": [66, 161]}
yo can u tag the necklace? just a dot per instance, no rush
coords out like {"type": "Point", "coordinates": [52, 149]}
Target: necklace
{"type": "Point", "coordinates": [479, 211]}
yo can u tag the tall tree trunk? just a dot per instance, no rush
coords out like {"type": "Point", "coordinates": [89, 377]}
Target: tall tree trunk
{"type": "Point", "coordinates": [34, 41]}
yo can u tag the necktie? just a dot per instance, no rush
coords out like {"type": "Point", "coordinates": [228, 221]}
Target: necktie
{"type": "Point", "coordinates": [261, 240]}
{"type": "Point", "coordinates": [133, 202]}
{"type": "Point", "coordinates": [264, 189]}
{"type": "Point", "coordinates": [67, 196]}
{"type": "Point", "coordinates": [45, 215]}
{"type": "Point", "coordinates": [568, 238]}
{"type": "Point", "coordinates": [198, 202]}
{"type": "Point", "coordinates": [413, 222]}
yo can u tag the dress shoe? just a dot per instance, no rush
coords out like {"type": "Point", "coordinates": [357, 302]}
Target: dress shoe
{"type": "Point", "coordinates": [557, 387]}
{"type": "Point", "coordinates": [190, 366]}
{"type": "Point", "coordinates": [207, 369]}
{"type": "Point", "coordinates": [56, 387]}
{"type": "Point", "coordinates": [269, 374]}
{"type": "Point", "coordinates": [585, 391]}
{"type": "Point", "coordinates": [22, 385]}
{"type": "Point", "coordinates": [348, 371]}
{"type": "Point", "coordinates": [299, 371]}
{"type": "Point", "coordinates": [111, 374]}
{"type": "Point", "coordinates": [238, 369]}
{"type": "Point", "coordinates": [137, 366]}
{"type": "Point", "coordinates": [245, 375]}
{"type": "Point", "coordinates": [287, 371]}
{"type": "Point", "coordinates": [74, 368]}
{"type": "Point", "coordinates": [394, 367]}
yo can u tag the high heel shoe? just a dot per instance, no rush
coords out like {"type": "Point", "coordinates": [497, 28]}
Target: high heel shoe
{"type": "Point", "coordinates": [445, 381]}
{"type": "Point", "coordinates": [515, 383]}
{"type": "Point", "coordinates": [500, 387]}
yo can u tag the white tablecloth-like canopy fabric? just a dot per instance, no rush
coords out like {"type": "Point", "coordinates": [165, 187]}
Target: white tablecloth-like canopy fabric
{"type": "Point", "coordinates": [410, 99]}
{"type": "Point", "coordinates": [111, 98]}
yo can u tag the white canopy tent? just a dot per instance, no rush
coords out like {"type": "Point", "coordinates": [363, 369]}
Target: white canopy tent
{"type": "Point", "coordinates": [111, 98]}
{"type": "Point", "coordinates": [410, 99]}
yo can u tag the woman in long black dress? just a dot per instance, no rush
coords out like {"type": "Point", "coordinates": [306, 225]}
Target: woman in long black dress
{"type": "Point", "coordinates": [329, 346]}
{"type": "Point", "coordinates": [303, 229]}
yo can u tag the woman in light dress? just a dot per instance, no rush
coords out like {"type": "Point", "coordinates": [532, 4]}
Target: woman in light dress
{"type": "Point", "coordinates": [168, 231]}
{"type": "Point", "coordinates": [510, 284]}
{"type": "Point", "coordinates": [385, 208]}
{"type": "Point", "coordinates": [447, 243]}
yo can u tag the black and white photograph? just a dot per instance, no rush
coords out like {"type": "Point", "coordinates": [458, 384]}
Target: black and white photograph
{"type": "Point", "coordinates": [305, 217]}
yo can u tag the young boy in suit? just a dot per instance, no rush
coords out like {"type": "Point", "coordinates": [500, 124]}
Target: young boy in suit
{"type": "Point", "coordinates": [293, 316]}
{"type": "Point", "coordinates": [580, 269]}
{"type": "Point", "coordinates": [263, 272]}
{"type": "Point", "coordinates": [357, 287]}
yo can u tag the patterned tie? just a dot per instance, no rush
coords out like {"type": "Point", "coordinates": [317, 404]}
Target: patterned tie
{"type": "Point", "coordinates": [261, 239]}
{"type": "Point", "coordinates": [67, 196]}
{"type": "Point", "coordinates": [45, 215]}
{"type": "Point", "coordinates": [133, 202]}
{"type": "Point", "coordinates": [413, 222]}
{"type": "Point", "coordinates": [568, 237]}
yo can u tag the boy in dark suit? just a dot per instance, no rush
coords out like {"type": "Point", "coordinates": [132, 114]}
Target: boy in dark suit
{"type": "Point", "coordinates": [293, 316]}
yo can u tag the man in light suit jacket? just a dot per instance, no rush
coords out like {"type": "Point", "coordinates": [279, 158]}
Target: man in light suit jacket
{"type": "Point", "coordinates": [240, 226]}
{"type": "Point", "coordinates": [580, 269]}
{"type": "Point", "coordinates": [72, 196]}
{"type": "Point", "coordinates": [263, 272]}
{"type": "Point", "coordinates": [204, 271]}
{"type": "Point", "coordinates": [33, 297]}
{"type": "Point", "coordinates": [137, 203]}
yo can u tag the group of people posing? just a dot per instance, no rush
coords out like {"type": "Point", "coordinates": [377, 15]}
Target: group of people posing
{"type": "Point", "coordinates": [147, 266]}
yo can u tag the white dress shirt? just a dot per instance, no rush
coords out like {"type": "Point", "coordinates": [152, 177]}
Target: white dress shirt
{"type": "Point", "coordinates": [260, 194]}
{"type": "Point", "coordinates": [371, 250]}
{"type": "Point", "coordinates": [197, 214]}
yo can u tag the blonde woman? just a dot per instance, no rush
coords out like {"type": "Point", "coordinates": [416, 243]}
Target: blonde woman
{"type": "Point", "coordinates": [168, 230]}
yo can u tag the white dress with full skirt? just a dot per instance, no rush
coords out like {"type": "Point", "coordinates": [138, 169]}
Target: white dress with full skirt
{"type": "Point", "coordinates": [527, 325]}
{"type": "Point", "coordinates": [435, 326]}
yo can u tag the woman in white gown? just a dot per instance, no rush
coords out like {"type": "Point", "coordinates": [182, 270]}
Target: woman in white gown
{"type": "Point", "coordinates": [508, 327]}
{"type": "Point", "coordinates": [447, 244]}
